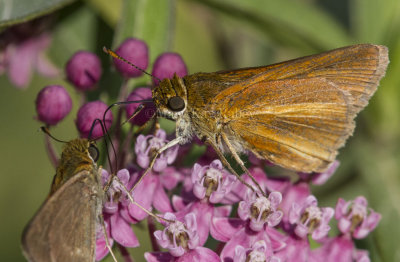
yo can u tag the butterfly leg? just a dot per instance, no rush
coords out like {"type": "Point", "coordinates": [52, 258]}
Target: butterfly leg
{"type": "Point", "coordinates": [103, 225]}
{"type": "Point", "coordinates": [128, 194]}
{"type": "Point", "coordinates": [226, 163]}
{"type": "Point", "coordinates": [240, 162]}
{"type": "Point", "coordinates": [153, 160]}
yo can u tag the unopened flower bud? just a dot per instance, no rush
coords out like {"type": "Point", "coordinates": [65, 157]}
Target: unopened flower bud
{"type": "Point", "coordinates": [84, 70]}
{"type": "Point", "coordinates": [147, 112]}
{"type": "Point", "coordinates": [53, 103]}
{"type": "Point", "coordinates": [166, 65]}
{"type": "Point", "coordinates": [87, 114]}
{"type": "Point", "coordinates": [134, 51]}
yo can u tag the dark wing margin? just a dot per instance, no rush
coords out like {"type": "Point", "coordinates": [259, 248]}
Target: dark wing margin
{"type": "Point", "coordinates": [64, 228]}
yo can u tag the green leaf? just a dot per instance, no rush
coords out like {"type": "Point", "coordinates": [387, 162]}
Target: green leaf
{"type": "Point", "coordinates": [374, 21]}
{"type": "Point", "coordinates": [287, 22]}
{"type": "Point", "coordinates": [149, 20]}
{"type": "Point", "coordinates": [18, 11]}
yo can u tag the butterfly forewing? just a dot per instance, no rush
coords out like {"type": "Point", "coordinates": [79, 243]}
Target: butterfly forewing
{"type": "Point", "coordinates": [298, 113]}
{"type": "Point", "coordinates": [64, 227]}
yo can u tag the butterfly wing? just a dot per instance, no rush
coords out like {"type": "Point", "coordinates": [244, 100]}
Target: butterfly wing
{"type": "Point", "coordinates": [298, 113]}
{"type": "Point", "coordinates": [64, 227]}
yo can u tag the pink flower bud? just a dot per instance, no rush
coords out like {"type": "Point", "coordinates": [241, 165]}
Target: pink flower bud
{"type": "Point", "coordinates": [134, 51]}
{"type": "Point", "coordinates": [84, 70]}
{"type": "Point", "coordinates": [166, 65]}
{"type": "Point", "coordinates": [147, 112]}
{"type": "Point", "coordinates": [53, 103]}
{"type": "Point", "coordinates": [87, 114]}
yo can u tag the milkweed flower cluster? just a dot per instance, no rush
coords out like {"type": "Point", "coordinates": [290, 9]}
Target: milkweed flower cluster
{"type": "Point", "coordinates": [198, 200]}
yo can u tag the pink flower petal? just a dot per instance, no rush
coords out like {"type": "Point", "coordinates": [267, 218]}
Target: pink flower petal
{"type": "Point", "coordinates": [158, 257]}
{"type": "Point", "coordinates": [101, 247]}
{"type": "Point", "coordinates": [200, 254]}
{"type": "Point", "coordinates": [341, 208]}
{"type": "Point", "coordinates": [321, 178]}
{"type": "Point", "coordinates": [170, 178]}
{"type": "Point", "coordinates": [294, 213]}
{"type": "Point", "coordinates": [275, 218]}
{"type": "Point", "coordinates": [301, 230]}
{"type": "Point", "coordinates": [278, 240]}
{"type": "Point", "coordinates": [223, 228]}
{"type": "Point", "coordinates": [203, 213]}
{"type": "Point", "coordinates": [178, 203]}
{"type": "Point", "coordinates": [21, 64]}
{"type": "Point", "coordinates": [344, 225]}
{"type": "Point", "coordinates": [160, 164]}
{"type": "Point", "coordinates": [161, 200]}
{"type": "Point", "coordinates": [222, 211]}
{"type": "Point", "coordinates": [275, 198]}
{"type": "Point", "coordinates": [122, 232]}
{"type": "Point", "coordinates": [144, 196]}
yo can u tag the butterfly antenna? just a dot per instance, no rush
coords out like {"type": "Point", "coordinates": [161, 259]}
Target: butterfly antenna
{"type": "Point", "coordinates": [107, 135]}
{"type": "Point", "coordinates": [47, 132]}
{"type": "Point", "coordinates": [115, 55]}
{"type": "Point", "coordinates": [104, 126]}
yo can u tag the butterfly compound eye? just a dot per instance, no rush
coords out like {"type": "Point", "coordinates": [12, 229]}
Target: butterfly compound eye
{"type": "Point", "coordinates": [94, 152]}
{"type": "Point", "coordinates": [176, 103]}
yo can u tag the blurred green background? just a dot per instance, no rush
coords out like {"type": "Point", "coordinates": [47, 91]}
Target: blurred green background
{"type": "Point", "coordinates": [210, 35]}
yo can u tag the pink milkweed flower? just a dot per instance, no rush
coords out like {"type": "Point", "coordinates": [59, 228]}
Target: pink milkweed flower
{"type": "Point", "coordinates": [152, 191]}
{"type": "Point", "coordinates": [258, 252]}
{"type": "Point", "coordinates": [182, 241]}
{"type": "Point", "coordinates": [338, 249]}
{"type": "Point", "coordinates": [178, 237]}
{"type": "Point", "coordinates": [197, 254]}
{"type": "Point", "coordinates": [296, 250]}
{"type": "Point", "coordinates": [204, 212]}
{"type": "Point", "coordinates": [115, 213]}
{"type": "Point", "coordinates": [320, 178]}
{"type": "Point", "coordinates": [308, 218]}
{"type": "Point", "coordinates": [101, 245]}
{"type": "Point", "coordinates": [354, 219]}
{"type": "Point", "coordinates": [146, 146]}
{"type": "Point", "coordinates": [211, 181]}
{"type": "Point", "coordinates": [257, 215]}
{"type": "Point", "coordinates": [235, 231]}
{"type": "Point", "coordinates": [239, 190]}
{"type": "Point", "coordinates": [261, 210]}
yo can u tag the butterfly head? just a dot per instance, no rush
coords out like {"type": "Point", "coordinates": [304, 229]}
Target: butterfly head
{"type": "Point", "coordinates": [170, 98]}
